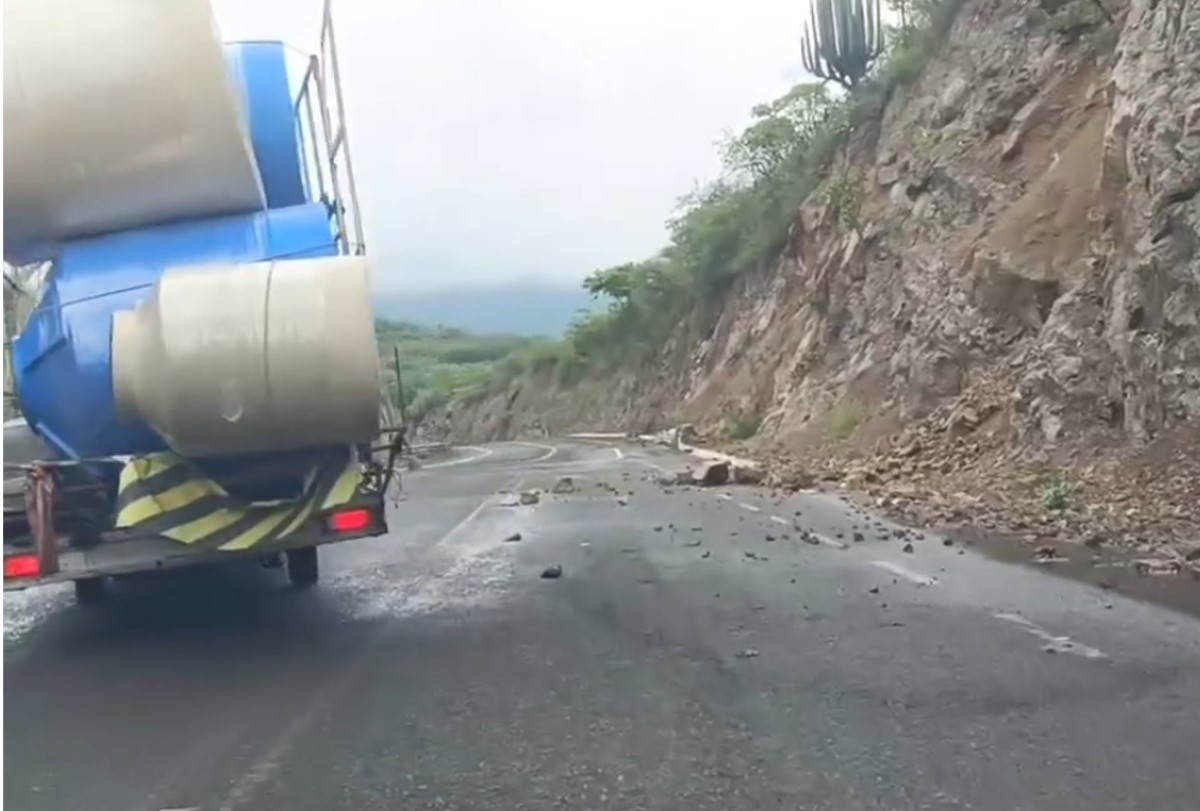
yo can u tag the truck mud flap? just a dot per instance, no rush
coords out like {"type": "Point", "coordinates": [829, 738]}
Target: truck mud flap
{"type": "Point", "coordinates": [163, 494]}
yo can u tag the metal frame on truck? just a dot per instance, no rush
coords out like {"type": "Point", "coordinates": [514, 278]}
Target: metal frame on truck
{"type": "Point", "coordinates": [69, 529]}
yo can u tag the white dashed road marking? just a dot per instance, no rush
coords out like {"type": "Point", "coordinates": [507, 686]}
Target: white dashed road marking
{"type": "Point", "coordinates": [829, 541]}
{"type": "Point", "coordinates": [779, 519]}
{"type": "Point", "coordinates": [745, 506]}
{"type": "Point", "coordinates": [1054, 643]}
{"type": "Point", "coordinates": [907, 574]}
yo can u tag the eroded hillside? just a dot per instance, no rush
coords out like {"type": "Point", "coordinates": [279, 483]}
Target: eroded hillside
{"type": "Point", "coordinates": [1010, 320]}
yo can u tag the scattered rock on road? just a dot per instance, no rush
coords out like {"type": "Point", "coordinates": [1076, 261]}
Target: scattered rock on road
{"type": "Point", "coordinates": [516, 536]}
{"type": "Point", "coordinates": [529, 497]}
{"type": "Point", "coordinates": [1154, 566]}
{"type": "Point", "coordinates": [552, 572]}
{"type": "Point", "coordinates": [564, 486]}
{"type": "Point", "coordinates": [743, 473]}
{"type": "Point", "coordinates": [712, 474]}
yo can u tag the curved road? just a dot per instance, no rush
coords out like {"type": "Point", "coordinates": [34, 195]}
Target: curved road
{"type": "Point", "coordinates": [709, 649]}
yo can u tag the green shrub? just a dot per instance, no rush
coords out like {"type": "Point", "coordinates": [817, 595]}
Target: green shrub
{"type": "Point", "coordinates": [844, 418]}
{"type": "Point", "coordinates": [742, 426]}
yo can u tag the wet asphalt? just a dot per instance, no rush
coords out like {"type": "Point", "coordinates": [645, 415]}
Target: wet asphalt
{"type": "Point", "coordinates": [703, 649]}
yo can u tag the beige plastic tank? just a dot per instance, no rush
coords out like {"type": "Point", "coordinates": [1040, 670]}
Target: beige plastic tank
{"type": "Point", "coordinates": [269, 356]}
{"type": "Point", "coordinates": [118, 114]}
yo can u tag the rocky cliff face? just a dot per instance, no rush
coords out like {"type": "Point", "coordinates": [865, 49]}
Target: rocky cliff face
{"type": "Point", "coordinates": [1019, 300]}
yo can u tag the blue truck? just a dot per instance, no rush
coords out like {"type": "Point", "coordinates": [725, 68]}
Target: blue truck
{"type": "Point", "coordinates": [197, 381]}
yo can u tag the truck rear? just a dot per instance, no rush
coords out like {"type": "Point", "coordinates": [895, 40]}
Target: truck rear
{"type": "Point", "coordinates": [65, 521]}
{"type": "Point", "coordinates": [197, 373]}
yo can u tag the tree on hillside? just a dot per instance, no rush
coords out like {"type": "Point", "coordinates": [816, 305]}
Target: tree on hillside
{"type": "Point", "coordinates": [616, 283]}
{"type": "Point", "coordinates": [842, 40]}
{"type": "Point", "coordinates": [780, 129]}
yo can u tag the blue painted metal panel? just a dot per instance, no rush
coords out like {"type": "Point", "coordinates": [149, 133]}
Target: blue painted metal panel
{"type": "Point", "coordinates": [260, 71]}
{"type": "Point", "coordinates": [63, 361]}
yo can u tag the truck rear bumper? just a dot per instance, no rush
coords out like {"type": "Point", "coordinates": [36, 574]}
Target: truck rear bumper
{"type": "Point", "coordinates": [122, 553]}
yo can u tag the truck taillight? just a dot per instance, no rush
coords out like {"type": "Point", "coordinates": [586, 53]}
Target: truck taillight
{"type": "Point", "coordinates": [22, 566]}
{"type": "Point", "coordinates": [352, 520]}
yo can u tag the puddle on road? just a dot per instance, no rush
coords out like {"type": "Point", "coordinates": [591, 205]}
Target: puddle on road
{"type": "Point", "coordinates": [1109, 568]}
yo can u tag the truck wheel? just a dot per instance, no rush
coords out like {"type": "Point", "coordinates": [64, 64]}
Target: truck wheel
{"type": "Point", "coordinates": [89, 591]}
{"type": "Point", "coordinates": [302, 567]}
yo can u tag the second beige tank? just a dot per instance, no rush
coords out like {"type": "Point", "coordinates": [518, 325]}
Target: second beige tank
{"type": "Point", "coordinates": [270, 356]}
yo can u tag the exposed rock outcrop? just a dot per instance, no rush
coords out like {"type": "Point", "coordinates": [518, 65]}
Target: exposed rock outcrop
{"type": "Point", "coordinates": [1021, 300]}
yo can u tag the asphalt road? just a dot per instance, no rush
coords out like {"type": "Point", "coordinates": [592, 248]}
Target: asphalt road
{"type": "Point", "coordinates": [696, 653]}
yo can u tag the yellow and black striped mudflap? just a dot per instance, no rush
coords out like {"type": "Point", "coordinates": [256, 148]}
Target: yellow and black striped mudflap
{"type": "Point", "coordinates": [163, 494]}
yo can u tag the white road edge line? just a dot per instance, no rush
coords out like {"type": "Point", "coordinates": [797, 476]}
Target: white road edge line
{"type": "Point", "coordinates": [550, 451]}
{"type": "Point", "coordinates": [1061, 644]}
{"type": "Point", "coordinates": [483, 454]}
{"type": "Point", "coordinates": [907, 574]}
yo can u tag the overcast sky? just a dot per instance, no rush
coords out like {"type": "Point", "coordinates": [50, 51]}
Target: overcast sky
{"type": "Point", "coordinates": [503, 139]}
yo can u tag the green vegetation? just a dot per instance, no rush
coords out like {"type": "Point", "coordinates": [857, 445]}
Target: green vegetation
{"type": "Point", "coordinates": [1056, 493]}
{"type": "Point", "coordinates": [844, 418]}
{"type": "Point", "coordinates": [740, 223]}
{"type": "Point", "coordinates": [742, 425]}
{"type": "Point", "coordinates": [438, 364]}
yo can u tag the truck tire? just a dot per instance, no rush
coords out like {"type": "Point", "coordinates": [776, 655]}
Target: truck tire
{"type": "Point", "coordinates": [302, 567]}
{"type": "Point", "coordinates": [90, 591]}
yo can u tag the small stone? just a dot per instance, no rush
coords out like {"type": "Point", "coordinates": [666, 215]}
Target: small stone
{"type": "Point", "coordinates": [907, 548]}
{"type": "Point", "coordinates": [516, 536]}
{"type": "Point", "coordinates": [770, 538]}
{"type": "Point", "coordinates": [873, 590]}
{"type": "Point", "coordinates": [624, 502]}
{"type": "Point", "coordinates": [564, 485]}
{"type": "Point", "coordinates": [859, 537]}
{"type": "Point", "coordinates": [707, 554]}
{"type": "Point", "coordinates": [529, 497]}
{"type": "Point", "coordinates": [552, 572]}
{"type": "Point", "coordinates": [748, 653]}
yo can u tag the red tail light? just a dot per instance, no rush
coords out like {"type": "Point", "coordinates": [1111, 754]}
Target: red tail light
{"type": "Point", "coordinates": [22, 566]}
{"type": "Point", "coordinates": [350, 520]}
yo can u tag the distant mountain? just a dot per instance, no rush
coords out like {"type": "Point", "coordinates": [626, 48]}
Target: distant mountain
{"type": "Point", "coordinates": [516, 308]}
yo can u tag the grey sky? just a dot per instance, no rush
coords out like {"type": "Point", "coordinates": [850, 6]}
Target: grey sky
{"type": "Point", "coordinates": [502, 139]}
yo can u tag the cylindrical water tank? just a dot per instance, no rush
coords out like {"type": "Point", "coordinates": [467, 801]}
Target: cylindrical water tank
{"type": "Point", "coordinates": [236, 359]}
{"type": "Point", "coordinates": [117, 114]}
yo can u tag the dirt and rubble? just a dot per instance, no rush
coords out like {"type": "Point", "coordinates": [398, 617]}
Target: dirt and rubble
{"type": "Point", "coordinates": [1010, 340]}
